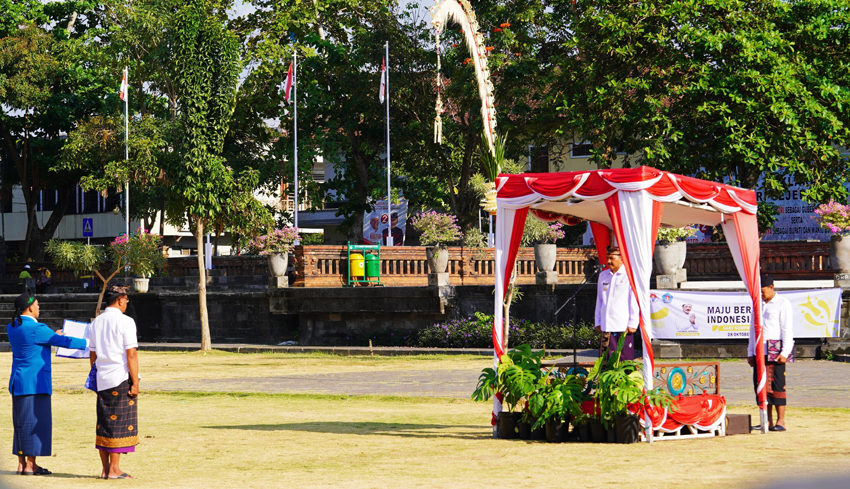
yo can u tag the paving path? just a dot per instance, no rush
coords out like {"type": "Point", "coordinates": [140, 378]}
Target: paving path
{"type": "Point", "coordinates": [810, 383]}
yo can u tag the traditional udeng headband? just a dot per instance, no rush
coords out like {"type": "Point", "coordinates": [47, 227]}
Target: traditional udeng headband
{"type": "Point", "coordinates": [117, 289]}
{"type": "Point", "coordinates": [30, 300]}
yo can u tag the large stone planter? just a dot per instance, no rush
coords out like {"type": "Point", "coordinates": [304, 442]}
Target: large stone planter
{"type": "Point", "coordinates": [545, 256]}
{"type": "Point", "coordinates": [669, 258]}
{"type": "Point", "coordinates": [141, 285]}
{"type": "Point", "coordinates": [839, 253]}
{"type": "Point", "coordinates": [438, 258]}
{"type": "Point", "coordinates": [278, 263]}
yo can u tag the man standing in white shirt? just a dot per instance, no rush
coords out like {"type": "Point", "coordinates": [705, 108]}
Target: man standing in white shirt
{"type": "Point", "coordinates": [617, 310]}
{"type": "Point", "coordinates": [777, 315]}
{"type": "Point", "coordinates": [113, 353]}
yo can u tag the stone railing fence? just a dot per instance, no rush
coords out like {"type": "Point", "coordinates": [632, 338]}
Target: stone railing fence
{"type": "Point", "coordinates": [326, 266]}
{"type": "Point", "coordinates": [795, 260]}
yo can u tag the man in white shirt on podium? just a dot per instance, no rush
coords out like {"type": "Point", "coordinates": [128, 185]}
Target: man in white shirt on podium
{"type": "Point", "coordinates": [617, 312]}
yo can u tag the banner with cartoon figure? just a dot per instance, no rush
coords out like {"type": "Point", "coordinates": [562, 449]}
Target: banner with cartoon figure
{"type": "Point", "coordinates": [680, 315]}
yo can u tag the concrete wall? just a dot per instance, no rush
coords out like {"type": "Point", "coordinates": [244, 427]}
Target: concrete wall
{"type": "Point", "coordinates": [235, 317]}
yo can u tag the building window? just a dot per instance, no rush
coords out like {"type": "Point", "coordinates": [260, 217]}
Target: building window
{"type": "Point", "coordinates": [581, 150]}
{"type": "Point", "coordinates": [91, 199]}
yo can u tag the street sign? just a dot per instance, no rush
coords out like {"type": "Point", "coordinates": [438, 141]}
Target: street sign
{"type": "Point", "coordinates": [88, 227]}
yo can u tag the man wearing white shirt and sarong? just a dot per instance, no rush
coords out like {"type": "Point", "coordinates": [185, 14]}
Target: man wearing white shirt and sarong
{"type": "Point", "coordinates": [777, 321]}
{"type": "Point", "coordinates": [113, 353]}
{"type": "Point", "coordinates": [617, 310]}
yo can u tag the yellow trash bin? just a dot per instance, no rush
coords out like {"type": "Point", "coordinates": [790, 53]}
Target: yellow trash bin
{"type": "Point", "coordinates": [356, 265]}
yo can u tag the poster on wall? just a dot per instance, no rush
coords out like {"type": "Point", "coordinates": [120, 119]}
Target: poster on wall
{"type": "Point", "coordinates": [713, 315]}
{"type": "Point", "coordinates": [375, 223]}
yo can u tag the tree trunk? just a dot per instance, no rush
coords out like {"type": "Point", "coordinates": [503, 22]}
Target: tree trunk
{"type": "Point", "coordinates": [37, 236]}
{"type": "Point", "coordinates": [206, 343]}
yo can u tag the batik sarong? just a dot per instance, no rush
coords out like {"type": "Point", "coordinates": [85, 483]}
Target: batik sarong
{"type": "Point", "coordinates": [117, 419]}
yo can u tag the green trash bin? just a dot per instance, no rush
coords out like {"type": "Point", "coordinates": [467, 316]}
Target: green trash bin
{"type": "Point", "coordinates": [373, 266]}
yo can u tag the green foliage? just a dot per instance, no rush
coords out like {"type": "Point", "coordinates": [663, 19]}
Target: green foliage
{"type": "Point", "coordinates": [475, 240]}
{"type": "Point", "coordinates": [311, 239]}
{"type": "Point", "coordinates": [720, 89]}
{"type": "Point", "coordinates": [539, 232]}
{"type": "Point", "coordinates": [556, 398]}
{"type": "Point", "coordinates": [75, 255]}
{"type": "Point", "coordinates": [206, 72]}
{"type": "Point", "coordinates": [671, 235]}
{"type": "Point", "coordinates": [477, 332]}
{"type": "Point", "coordinates": [620, 383]}
{"type": "Point", "coordinates": [436, 228]}
{"type": "Point", "coordinates": [766, 216]}
{"type": "Point", "coordinates": [142, 252]}
{"type": "Point", "coordinates": [492, 163]}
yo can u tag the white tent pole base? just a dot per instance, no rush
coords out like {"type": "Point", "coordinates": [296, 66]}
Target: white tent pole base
{"type": "Point", "coordinates": [763, 415]}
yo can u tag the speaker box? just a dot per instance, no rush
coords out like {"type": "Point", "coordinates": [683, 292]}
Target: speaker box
{"type": "Point", "coordinates": [738, 424]}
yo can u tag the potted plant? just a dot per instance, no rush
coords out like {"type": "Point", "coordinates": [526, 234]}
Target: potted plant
{"type": "Point", "coordinates": [142, 252]}
{"type": "Point", "coordinates": [276, 245]}
{"type": "Point", "coordinates": [437, 230]}
{"type": "Point", "coordinates": [835, 218]}
{"type": "Point", "coordinates": [618, 384]}
{"type": "Point", "coordinates": [558, 401]}
{"type": "Point", "coordinates": [670, 249]}
{"type": "Point", "coordinates": [543, 237]}
{"type": "Point", "coordinates": [516, 377]}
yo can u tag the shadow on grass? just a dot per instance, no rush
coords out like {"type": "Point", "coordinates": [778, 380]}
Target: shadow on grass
{"type": "Point", "coordinates": [355, 428]}
{"type": "Point", "coordinates": [55, 475]}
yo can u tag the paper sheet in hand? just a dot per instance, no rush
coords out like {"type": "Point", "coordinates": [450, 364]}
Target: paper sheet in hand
{"type": "Point", "coordinates": [77, 330]}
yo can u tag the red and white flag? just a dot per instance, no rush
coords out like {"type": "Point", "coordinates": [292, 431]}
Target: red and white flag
{"type": "Point", "coordinates": [287, 88]}
{"type": "Point", "coordinates": [123, 92]}
{"type": "Point", "coordinates": [383, 90]}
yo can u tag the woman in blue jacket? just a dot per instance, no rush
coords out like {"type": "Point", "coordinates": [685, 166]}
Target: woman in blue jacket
{"type": "Point", "coordinates": [31, 384]}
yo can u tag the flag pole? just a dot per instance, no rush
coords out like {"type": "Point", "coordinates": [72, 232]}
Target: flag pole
{"type": "Point", "coordinates": [387, 95]}
{"type": "Point", "coordinates": [127, 152]}
{"type": "Point", "coordinates": [295, 130]}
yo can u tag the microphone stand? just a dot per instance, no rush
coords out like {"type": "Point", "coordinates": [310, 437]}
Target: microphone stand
{"type": "Point", "coordinates": [596, 269]}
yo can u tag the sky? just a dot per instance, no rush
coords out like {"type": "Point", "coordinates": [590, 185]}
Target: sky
{"type": "Point", "coordinates": [424, 5]}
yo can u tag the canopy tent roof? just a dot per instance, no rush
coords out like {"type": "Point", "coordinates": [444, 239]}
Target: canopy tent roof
{"type": "Point", "coordinates": [628, 205]}
{"type": "Point", "coordinates": [582, 194]}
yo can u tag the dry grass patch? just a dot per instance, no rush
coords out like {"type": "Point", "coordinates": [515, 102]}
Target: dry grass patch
{"type": "Point", "coordinates": [247, 441]}
{"type": "Point", "coordinates": [167, 366]}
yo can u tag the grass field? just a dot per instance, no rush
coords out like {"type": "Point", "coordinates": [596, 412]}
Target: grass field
{"type": "Point", "coordinates": [192, 440]}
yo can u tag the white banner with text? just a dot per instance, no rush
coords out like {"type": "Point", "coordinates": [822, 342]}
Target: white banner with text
{"type": "Point", "coordinates": [680, 315]}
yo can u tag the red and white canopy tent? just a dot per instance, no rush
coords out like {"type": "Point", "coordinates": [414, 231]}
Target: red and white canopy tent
{"type": "Point", "coordinates": [632, 203]}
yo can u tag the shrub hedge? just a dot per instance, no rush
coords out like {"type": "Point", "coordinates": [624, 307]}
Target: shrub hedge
{"type": "Point", "coordinates": [477, 332]}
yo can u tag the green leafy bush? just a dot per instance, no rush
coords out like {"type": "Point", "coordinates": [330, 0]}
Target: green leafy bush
{"type": "Point", "coordinates": [477, 332]}
{"type": "Point", "coordinates": [671, 235]}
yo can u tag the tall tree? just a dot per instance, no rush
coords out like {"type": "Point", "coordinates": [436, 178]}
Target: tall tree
{"type": "Point", "coordinates": [724, 89]}
{"type": "Point", "coordinates": [206, 71]}
{"type": "Point", "coordinates": [48, 80]}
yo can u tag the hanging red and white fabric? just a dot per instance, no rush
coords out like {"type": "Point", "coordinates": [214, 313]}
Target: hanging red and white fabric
{"type": "Point", "coordinates": [122, 93]}
{"type": "Point", "coordinates": [382, 91]}
{"type": "Point", "coordinates": [287, 87]}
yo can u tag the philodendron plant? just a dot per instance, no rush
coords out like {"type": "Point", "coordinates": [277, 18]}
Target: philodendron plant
{"type": "Point", "coordinates": [556, 398]}
{"type": "Point", "coordinates": [516, 377]}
